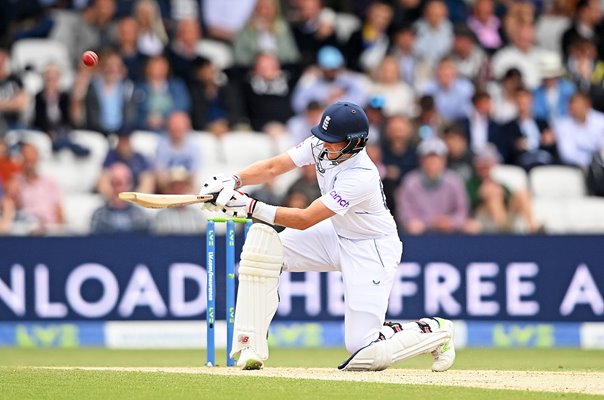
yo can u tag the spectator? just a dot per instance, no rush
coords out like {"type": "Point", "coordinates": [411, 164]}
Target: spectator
{"type": "Point", "coordinates": [266, 31]}
{"type": "Point", "coordinates": [368, 46]}
{"type": "Point", "coordinates": [13, 97]}
{"type": "Point", "coordinates": [398, 96]}
{"type": "Point", "coordinates": [7, 212]}
{"type": "Point", "coordinates": [432, 199]}
{"type": "Point", "coordinates": [480, 128]}
{"type": "Point", "coordinates": [521, 54]}
{"type": "Point", "coordinates": [179, 220]}
{"type": "Point", "coordinates": [552, 24]}
{"type": "Point", "coordinates": [51, 112]}
{"type": "Point", "coordinates": [329, 83]}
{"type": "Point", "coordinates": [267, 193]}
{"type": "Point", "coordinates": [428, 123]}
{"type": "Point", "coordinates": [158, 95]}
{"type": "Point", "coordinates": [306, 184]}
{"type": "Point", "coordinates": [587, 71]}
{"type": "Point", "coordinates": [496, 207]}
{"type": "Point", "coordinates": [399, 156]}
{"type": "Point", "coordinates": [588, 14]}
{"type": "Point", "coordinates": [109, 102]}
{"type": "Point", "coordinates": [267, 93]}
{"type": "Point", "coordinates": [485, 25]}
{"type": "Point", "coordinates": [552, 96]}
{"type": "Point", "coordinates": [518, 14]}
{"type": "Point", "coordinates": [213, 107]}
{"type": "Point", "coordinates": [407, 12]}
{"type": "Point", "coordinates": [580, 134]}
{"type": "Point", "coordinates": [472, 62]}
{"type": "Point", "coordinates": [127, 47]}
{"type": "Point", "coordinates": [118, 216]}
{"type": "Point", "coordinates": [412, 70]}
{"type": "Point", "coordinates": [434, 32]}
{"type": "Point", "coordinates": [152, 36]}
{"type": "Point", "coordinates": [9, 168]}
{"type": "Point", "coordinates": [38, 195]}
{"type": "Point", "coordinates": [503, 95]}
{"type": "Point", "coordinates": [375, 114]}
{"type": "Point", "coordinates": [296, 200]}
{"type": "Point", "coordinates": [176, 149]}
{"type": "Point", "coordinates": [182, 51]}
{"type": "Point", "coordinates": [313, 28]}
{"type": "Point", "coordinates": [225, 18]}
{"type": "Point", "coordinates": [92, 28]}
{"type": "Point", "coordinates": [459, 155]}
{"type": "Point", "coordinates": [140, 168]}
{"type": "Point", "coordinates": [452, 93]}
{"type": "Point", "coordinates": [532, 139]}
{"type": "Point", "coordinates": [299, 125]}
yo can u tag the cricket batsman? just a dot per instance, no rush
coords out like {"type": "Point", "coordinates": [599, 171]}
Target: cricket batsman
{"type": "Point", "coordinates": [348, 229]}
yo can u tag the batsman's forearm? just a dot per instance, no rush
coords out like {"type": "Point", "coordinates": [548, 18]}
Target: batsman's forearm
{"type": "Point", "coordinates": [265, 170]}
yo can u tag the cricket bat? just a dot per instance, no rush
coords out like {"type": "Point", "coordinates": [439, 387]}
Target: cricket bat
{"type": "Point", "coordinates": [164, 200]}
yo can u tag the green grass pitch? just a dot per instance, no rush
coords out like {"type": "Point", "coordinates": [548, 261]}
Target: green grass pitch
{"type": "Point", "coordinates": [20, 380]}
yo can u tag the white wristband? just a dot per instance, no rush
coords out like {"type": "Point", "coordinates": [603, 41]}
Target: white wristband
{"type": "Point", "coordinates": [264, 212]}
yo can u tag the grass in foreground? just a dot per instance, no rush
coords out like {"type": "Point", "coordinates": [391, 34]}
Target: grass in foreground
{"type": "Point", "coordinates": [46, 384]}
{"type": "Point", "coordinates": [501, 359]}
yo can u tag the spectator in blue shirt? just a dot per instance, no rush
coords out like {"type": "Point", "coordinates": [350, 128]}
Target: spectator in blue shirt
{"type": "Point", "coordinates": [551, 98]}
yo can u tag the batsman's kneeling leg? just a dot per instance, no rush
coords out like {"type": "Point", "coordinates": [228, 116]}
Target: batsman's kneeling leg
{"type": "Point", "coordinates": [380, 354]}
{"type": "Point", "coordinates": [257, 298]}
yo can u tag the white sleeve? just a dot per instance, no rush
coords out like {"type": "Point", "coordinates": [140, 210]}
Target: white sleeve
{"type": "Point", "coordinates": [349, 190]}
{"type": "Point", "coordinates": [302, 153]}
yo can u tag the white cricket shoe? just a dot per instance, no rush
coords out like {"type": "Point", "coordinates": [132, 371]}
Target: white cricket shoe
{"type": "Point", "coordinates": [249, 360]}
{"type": "Point", "coordinates": [444, 355]}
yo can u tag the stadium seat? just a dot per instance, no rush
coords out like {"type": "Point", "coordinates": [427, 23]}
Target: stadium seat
{"type": "Point", "coordinates": [346, 24]}
{"type": "Point", "coordinates": [586, 215]}
{"type": "Point", "coordinates": [219, 53]}
{"type": "Point", "coordinates": [511, 176]}
{"type": "Point", "coordinates": [557, 182]}
{"type": "Point", "coordinates": [36, 54]}
{"type": "Point", "coordinates": [37, 138]}
{"type": "Point", "coordinates": [145, 142]}
{"type": "Point", "coordinates": [78, 209]}
{"type": "Point", "coordinates": [552, 214]}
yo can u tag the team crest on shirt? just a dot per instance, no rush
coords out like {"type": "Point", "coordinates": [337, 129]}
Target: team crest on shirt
{"type": "Point", "coordinates": [338, 198]}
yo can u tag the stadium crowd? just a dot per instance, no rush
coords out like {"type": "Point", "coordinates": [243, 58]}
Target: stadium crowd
{"type": "Point", "coordinates": [453, 89]}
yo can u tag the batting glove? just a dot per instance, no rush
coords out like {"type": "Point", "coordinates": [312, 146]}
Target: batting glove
{"type": "Point", "coordinates": [242, 206]}
{"type": "Point", "coordinates": [223, 186]}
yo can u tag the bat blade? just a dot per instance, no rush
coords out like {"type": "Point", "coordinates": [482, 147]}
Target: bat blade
{"type": "Point", "coordinates": [163, 200]}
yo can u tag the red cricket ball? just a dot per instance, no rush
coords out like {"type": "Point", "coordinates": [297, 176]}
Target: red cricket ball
{"type": "Point", "coordinates": [90, 58]}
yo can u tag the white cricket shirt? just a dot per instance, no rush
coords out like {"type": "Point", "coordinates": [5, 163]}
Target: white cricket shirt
{"type": "Point", "coordinates": [353, 190]}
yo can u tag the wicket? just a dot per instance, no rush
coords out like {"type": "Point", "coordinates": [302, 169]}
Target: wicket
{"type": "Point", "coordinates": [230, 284]}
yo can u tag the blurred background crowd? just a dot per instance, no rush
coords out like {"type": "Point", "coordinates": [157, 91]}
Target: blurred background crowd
{"type": "Point", "coordinates": [485, 115]}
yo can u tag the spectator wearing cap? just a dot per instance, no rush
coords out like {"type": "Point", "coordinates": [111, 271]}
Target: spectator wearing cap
{"type": "Point", "coordinates": [522, 54]}
{"type": "Point", "coordinates": [472, 62]}
{"type": "Point", "coordinates": [108, 103]}
{"type": "Point", "coordinates": [387, 83]}
{"type": "Point", "coordinates": [179, 220]}
{"type": "Point", "coordinates": [118, 216]}
{"type": "Point", "coordinates": [580, 134]}
{"type": "Point", "coordinates": [176, 149]}
{"type": "Point", "coordinates": [140, 168]}
{"type": "Point", "coordinates": [551, 98]}
{"type": "Point", "coordinates": [480, 128]}
{"type": "Point", "coordinates": [158, 95]}
{"type": "Point", "coordinates": [533, 142]}
{"type": "Point", "coordinates": [313, 27]}
{"type": "Point", "coordinates": [266, 31]}
{"type": "Point", "coordinates": [586, 25]}
{"type": "Point", "coordinates": [399, 155]}
{"type": "Point", "coordinates": [485, 25]}
{"type": "Point", "coordinates": [432, 198]}
{"type": "Point", "coordinates": [329, 83]}
{"type": "Point", "coordinates": [495, 207]}
{"type": "Point", "coordinates": [299, 125]}
{"type": "Point", "coordinates": [452, 93]}
{"type": "Point", "coordinates": [367, 47]}
{"type": "Point", "coordinates": [434, 32]}
{"type": "Point", "coordinates": [503, 95]}
{"type": "Point", "coordinates": [267, 93]}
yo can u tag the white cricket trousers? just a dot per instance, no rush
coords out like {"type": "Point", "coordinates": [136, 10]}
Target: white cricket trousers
{"type": "Point", "coordinates": [367, 265]}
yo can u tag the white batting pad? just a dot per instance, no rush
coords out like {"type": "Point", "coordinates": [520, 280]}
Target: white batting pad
{"type": "Point", "coordinates": [257, 299]}
{"type": "Point", "coordinates": [405, 344]}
